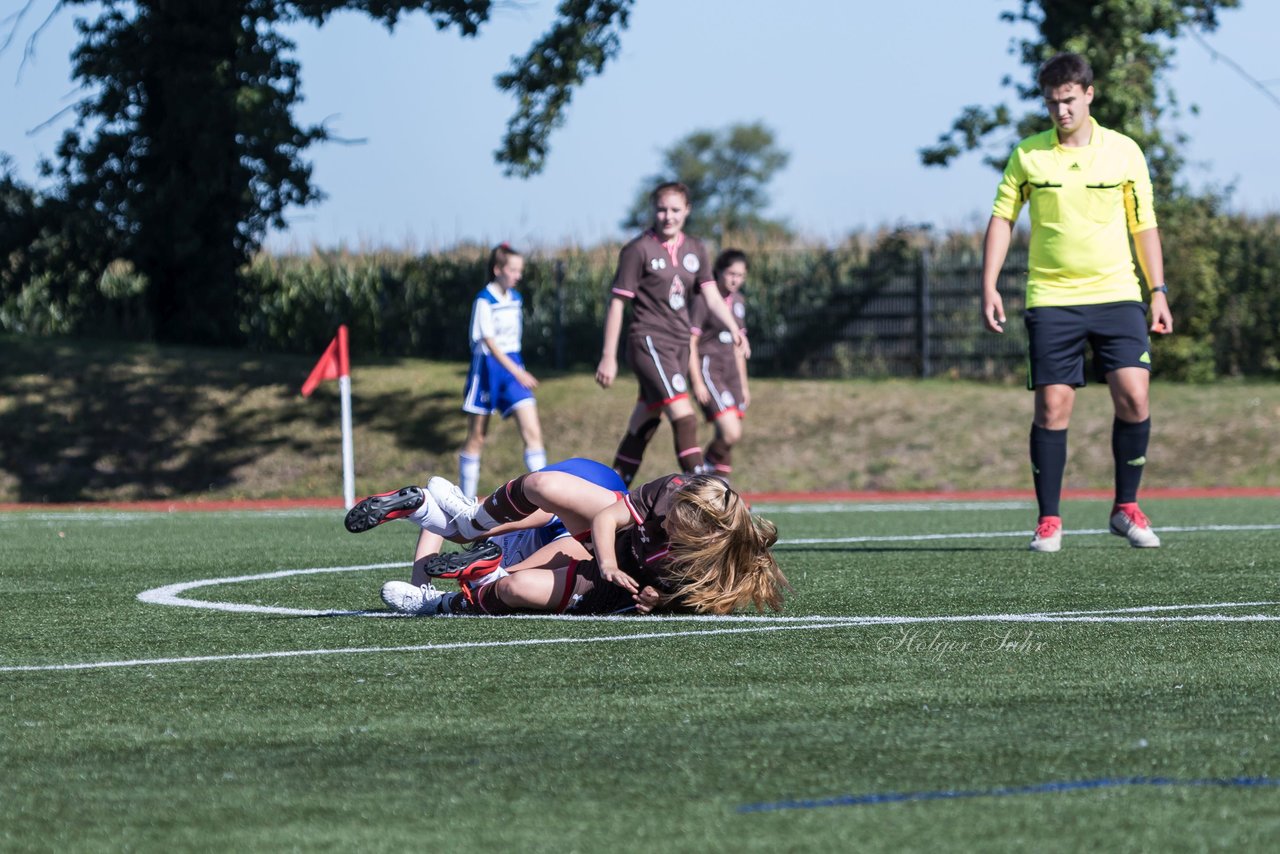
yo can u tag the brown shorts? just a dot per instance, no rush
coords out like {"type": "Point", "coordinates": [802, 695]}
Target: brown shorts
{"type": "Point", "coordinates": [725, 384]}
{"type": "Point", "coordinates": [586, 592]}
{"type": "Point", "coordinates": [660, 367]}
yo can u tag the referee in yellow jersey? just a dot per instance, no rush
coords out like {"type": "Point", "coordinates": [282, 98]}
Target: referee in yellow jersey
{"type": "Point", "coordinates": [1088, 189]}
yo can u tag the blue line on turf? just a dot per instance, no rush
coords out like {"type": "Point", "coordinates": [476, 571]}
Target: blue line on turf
{"type": "Point", "coordinates": [1004, 791]}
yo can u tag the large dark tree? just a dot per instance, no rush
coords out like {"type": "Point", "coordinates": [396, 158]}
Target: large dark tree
{"type": "Point", "coordinates": [187, 150]}
{"type": "Point", "coordinates": [1129, 45]}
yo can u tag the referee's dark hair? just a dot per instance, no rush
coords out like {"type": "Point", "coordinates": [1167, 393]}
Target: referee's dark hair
{"type": "Point", "coordinates": [1063, 69]}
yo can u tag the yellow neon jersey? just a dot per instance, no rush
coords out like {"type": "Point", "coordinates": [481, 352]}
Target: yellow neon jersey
{"type": "Point", "coordinates": [1084, 204]}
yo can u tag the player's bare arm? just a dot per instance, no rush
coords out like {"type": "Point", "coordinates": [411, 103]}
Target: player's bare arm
{"type": "Point", "coordinates": [522, 375]}
{"type": "Point", "coordinates": [717, 306]}
{"type": "Point", "coordinates": [607, 370]}
{"type": "Point", "coordinates": [1151, 259]}
{"type": "Point", "coordinates": [995, 246]}
{"type": "Point", "coordinates": [700, 391]}
{"type": "Point", "coordinates": [604, 529]}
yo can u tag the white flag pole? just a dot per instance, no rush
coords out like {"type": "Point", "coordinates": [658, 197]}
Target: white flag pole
{"type": "Point", "coordinates": [348, 448]}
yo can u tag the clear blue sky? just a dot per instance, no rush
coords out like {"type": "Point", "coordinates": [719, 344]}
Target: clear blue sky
{"type": "Point", "coordinates": [852, 90]}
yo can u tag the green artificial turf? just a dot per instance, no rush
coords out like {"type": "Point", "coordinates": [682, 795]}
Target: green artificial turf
{"type": "Point", "coordinates": [641, 734]}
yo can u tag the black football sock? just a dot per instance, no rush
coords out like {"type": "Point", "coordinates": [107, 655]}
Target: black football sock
{"type": "Point", "coordinates": [1129, 447]}
{"type": "Point", "coordinates": [719, 456]}
{"type": "Point", "coordinates": [508, 503]}
{"type": "Point", "coordinates": [631, 450]}
{"type": "Point", "coordinates": [1048, 462]}
{"type": "Point", "coordinates": [688, 452]}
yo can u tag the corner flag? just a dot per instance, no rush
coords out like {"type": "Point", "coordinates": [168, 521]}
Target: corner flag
{"type": "Point", "coordinates": [335, 365]}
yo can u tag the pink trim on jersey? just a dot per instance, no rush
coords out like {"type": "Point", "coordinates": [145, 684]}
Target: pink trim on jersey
{"type": "Point", "coordinates": [673, 248]}
{"type": "Point", "coordinates": [658, 555]}
{"type": "Point", "coordinates": [695, 330]}
{"type": "Point", "coordinates": [623, 293]}
{"type": "Point", "coordinates": [631, 507]}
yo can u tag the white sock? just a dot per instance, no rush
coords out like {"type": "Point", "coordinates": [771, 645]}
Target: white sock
{"type": "Point", "coordinates": [468, 473]}
{"type": "Point", "coordinates": [535, 459]}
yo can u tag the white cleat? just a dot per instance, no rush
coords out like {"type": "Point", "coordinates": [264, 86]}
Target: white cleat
{"type": "Point", "coordinates": [1048, 535]}
{"type": "Point", "coordinates": [457, 505]}
{"type": "Point", "coordinates": [1131, 523]}
{"type": "Point", "coordinates": [421, 600]}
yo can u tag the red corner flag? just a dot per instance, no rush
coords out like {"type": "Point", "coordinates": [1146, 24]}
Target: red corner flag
{"type": "Point", "coordinates": [332, 365]}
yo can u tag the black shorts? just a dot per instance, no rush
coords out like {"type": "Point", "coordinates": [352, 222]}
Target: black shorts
{"type": "Point", "coordinates": [1116, 333]}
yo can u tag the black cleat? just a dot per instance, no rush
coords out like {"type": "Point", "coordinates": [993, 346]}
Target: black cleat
{"type": "Point", "coordinates": [376, 509]}
{"type": "Point", "coordinates": [465, 565]}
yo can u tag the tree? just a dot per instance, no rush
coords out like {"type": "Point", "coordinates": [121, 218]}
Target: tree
{"type": "Point", "coordinates": [727, 172]}
{"type": "Point", "coordinates": [1126, 42]}
{"type": "Point", "coordinates": [187, 150]}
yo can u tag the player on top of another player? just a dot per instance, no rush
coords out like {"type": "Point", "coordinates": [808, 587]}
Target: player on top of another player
{"type": "Point", "coordinates": [498, 381]}
{"type": "Point", "coordinates": [1088, 189]}
{"type": "Point", "coordinates": [658, 273]}
{"type": "Point", "coordinates": [682, 542]}
{"type": "Point", "coordinates": [718, 368]}
{"type": "Point", "coordinates": [511, 543]}
{"type": "Point", "coordinates": [679, 543]}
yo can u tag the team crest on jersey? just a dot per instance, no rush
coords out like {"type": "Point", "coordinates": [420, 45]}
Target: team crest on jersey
{"type": "Point", "coordinates": [726, 337]}
{"type": "Point", "coordinates": [676, 297]}
{"type": "Point", "coordinates": [678, 383]}
{"type": "Point", "coordinates": [690, 262]}
{"type": "Point", "coordinates": [658, 263]}
{"type": "Point", "coordinates": [739, 310]}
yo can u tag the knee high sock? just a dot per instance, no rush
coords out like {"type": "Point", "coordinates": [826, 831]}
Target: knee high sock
{"type": "Point", "coordinates": [535, 458]}
{"type": "Point", "coordinates": [688, 452]}
{"type": "Point", "coordinates": [468, 473]}
{"type": "Point", "coordinates": [631, 450]}
{"type": "Point", "coordinates": [1048, 462]}
{"type": "Point", "coordinates": [508, 503]}
{"type": "Point", "coordinates": [1129, 447]}
{"type": "Point", "coordinates": [490, 602]}
{"type": "Point", "coordinates": [719, 456]}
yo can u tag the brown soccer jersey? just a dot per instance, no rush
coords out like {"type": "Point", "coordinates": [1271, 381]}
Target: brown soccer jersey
{"type": "Point", "coordinates": [659, 279]}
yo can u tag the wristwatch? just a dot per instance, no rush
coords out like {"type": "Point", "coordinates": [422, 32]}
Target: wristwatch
{"type": "Point", "coordinates": [1160, 289]}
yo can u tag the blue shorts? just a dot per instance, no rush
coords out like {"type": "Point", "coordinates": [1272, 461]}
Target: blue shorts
{"type": "Point", "coordinates": [1116, 332]}
{"type": "Point", "coordinates": [491, 388]}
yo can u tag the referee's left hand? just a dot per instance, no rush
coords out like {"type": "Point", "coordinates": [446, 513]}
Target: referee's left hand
{"type": "Point", "coordinates": [1161, 317]}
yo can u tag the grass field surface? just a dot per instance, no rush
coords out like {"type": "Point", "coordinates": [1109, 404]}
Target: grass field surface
{"type": "Point", "coordinates": [172, 682]}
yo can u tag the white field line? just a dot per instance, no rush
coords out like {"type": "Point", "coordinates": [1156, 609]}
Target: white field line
{"type": "Point", "coordinates": [1106, 616]}
{"type": "Point", "coordinates": [981, 535]}
{"type": "Point", "coordinates": [904, 507]}
{"type": "Point", "coordinates": [170, 595]}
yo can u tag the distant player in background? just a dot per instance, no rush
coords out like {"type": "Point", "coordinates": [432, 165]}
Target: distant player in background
{"type": "Point", "coordinates": [1084, 184]}
{"type": "Point", "coordinates": [498, 381]}
{"type": "Point", "coordinates": [717, 367]}
{"type": "Point", "coordinates": [658, 273]}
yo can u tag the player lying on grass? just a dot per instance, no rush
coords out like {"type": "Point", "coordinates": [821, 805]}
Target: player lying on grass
{"type": "Point", "coordinates": [678, 543]}
{"type": "Point", "coordinates": [513, 542]}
